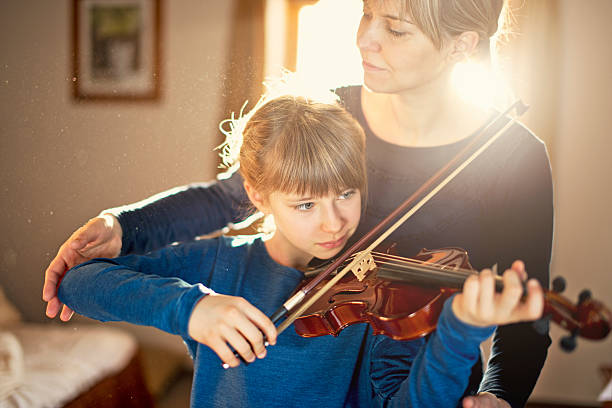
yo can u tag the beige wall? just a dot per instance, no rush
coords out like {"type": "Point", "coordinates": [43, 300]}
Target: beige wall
{"type": "Point", "coordinates": [62, 162]}
{"type": "Point", "coordinates": [582, 169]}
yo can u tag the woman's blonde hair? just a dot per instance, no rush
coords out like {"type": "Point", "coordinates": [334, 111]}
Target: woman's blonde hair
{"type": "Point", "coordinates": [297, 144]}
{"type": "Point", "coordinates": [441, 19]}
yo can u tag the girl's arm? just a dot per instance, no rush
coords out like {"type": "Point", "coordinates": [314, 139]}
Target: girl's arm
{"type": "Point", "coordinates": [161, 290]}
{"type": "Point", "coordinates": [440, 372]}
{"type": "Point", "coordinates": [105, 290]}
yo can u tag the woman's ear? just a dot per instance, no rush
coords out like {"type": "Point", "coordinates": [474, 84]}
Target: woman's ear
{"type": "Point", "coordinates": [256, 198]}
{"type": "Point", "coordinates": [464, 45]}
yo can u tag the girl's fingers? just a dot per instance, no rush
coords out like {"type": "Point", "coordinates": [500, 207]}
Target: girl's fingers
{"type": "Point", "coordinates": [534, 304]}
{"type": "Point", "coordinates": [519, 267]}
{"type": "Point", "coordinates": [471, 288]}
{"type": "Point", "coordinates": [510, 297]}
{"type": "Point", "coordinates": [236, 339]}
{"type": "Point", "coordinates": [224, 352]}
{"type": "Point", "coordinates": [264, 325]}
{"type": "Point", "coordinates": [486, 294]}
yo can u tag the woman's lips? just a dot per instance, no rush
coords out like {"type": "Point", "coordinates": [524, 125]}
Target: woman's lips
{"type": "Point", "coordinates": [370, 67]}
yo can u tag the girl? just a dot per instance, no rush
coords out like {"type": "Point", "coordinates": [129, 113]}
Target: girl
{"type": "Point", "coordinates": [303, 164]}
{"type": "Point", "coordinates": [499, 209]}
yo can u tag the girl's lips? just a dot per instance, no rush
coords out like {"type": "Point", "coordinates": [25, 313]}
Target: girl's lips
{"type": "Point", "coordinates": [333, 244]}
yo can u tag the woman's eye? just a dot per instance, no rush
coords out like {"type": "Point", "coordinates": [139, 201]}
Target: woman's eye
{"type": "Point", "coordinates": [304, 206]}
{"type": "Point", "coordinates": [396, 33]}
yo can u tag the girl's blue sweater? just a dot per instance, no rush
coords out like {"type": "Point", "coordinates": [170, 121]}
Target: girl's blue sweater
{"type": "Point", "coordinates": [354, 369]}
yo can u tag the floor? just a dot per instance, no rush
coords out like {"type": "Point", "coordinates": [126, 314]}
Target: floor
{"type": "Point", "coordinates": [177, 392]}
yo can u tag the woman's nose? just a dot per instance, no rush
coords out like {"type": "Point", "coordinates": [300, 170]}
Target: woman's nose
{"type": "Point", "coordinates": [366, 37]}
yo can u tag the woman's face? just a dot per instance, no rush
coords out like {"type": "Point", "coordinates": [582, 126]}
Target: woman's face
{"type": "Point", "coordinates": [397, 56]}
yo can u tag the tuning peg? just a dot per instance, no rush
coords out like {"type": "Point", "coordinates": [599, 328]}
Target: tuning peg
{"type": "Point", "coordinates": [542, 325]}
{"type": "Point", "coordinates": [584, 296]}
{"type": "Point", "coordinates": [558, 284]}
{"type": "Point", "coordinates": [568, 343]}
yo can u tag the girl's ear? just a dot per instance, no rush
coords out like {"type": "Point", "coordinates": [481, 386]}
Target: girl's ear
{"type": "Point", "coordinates": [463, 46]}
{"type": "Point", "coordinates": [256, 198]}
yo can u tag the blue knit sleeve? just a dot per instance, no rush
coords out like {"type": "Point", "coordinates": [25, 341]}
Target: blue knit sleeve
{"type": "Point", "coordinates": [181, 214]}
{"type": "Point", "coordinates": [439, 372]}
{"type": "Point", "coordinates": [158, 290]}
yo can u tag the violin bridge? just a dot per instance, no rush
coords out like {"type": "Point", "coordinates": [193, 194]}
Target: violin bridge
{"type": "Point", "coordinates": [365, 265]}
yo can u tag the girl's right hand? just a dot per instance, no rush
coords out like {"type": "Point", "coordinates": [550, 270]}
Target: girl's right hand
{"type": "Point", "coordinates": [221, 321]}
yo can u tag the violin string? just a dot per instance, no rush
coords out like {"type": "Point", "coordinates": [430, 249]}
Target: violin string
{"type": "Point", "coordinates": [421, 266]}
{"type": "Point", "coordinates": [421, 269]}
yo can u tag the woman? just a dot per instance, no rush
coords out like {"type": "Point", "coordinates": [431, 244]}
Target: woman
{"type": "Point", "coordinates": [498, 209]}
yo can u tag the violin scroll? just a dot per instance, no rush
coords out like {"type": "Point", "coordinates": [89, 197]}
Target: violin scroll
{"type": "Point", "coordinates": [588, 318]}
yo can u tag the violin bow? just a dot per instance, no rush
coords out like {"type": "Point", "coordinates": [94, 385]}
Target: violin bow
{"type": "Point", "coordinates": [363, 259]}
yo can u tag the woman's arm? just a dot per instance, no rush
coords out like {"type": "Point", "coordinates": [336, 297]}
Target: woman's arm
{"type": "Point", "coordinates": [176, 215]}
{"type": "Point", "coordinates": [180, 214]}
{"type": "Point", "coordinates": [524, 231]}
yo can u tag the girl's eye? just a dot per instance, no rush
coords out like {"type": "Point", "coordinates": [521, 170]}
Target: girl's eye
{"type": "Point", "coordinates": [305, 206]}
{"type": "Point", "coordinates": [347, 194]}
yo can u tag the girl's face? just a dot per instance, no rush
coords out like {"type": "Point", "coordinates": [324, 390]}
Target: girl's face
{"type": "Point", "coordinates": [396, 54]}
{"type": "Point", "coordinates": [308, 227]}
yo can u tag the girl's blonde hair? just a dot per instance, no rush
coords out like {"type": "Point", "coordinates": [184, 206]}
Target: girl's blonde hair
{"type": "Point", "coordinates": [297, 144]}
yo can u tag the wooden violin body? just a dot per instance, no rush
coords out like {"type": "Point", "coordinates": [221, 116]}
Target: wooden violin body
{"type": "Point", "coordinates": [403, 298]}
{"type": "Point", "coordinates": [397, 305]}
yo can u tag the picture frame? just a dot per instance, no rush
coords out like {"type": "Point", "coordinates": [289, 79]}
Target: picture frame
{"type": "Point", "coordinates": [116, 50]}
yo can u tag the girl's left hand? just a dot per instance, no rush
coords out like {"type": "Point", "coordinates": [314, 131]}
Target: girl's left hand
{"type": "Point", "coordinates": [479, 304]}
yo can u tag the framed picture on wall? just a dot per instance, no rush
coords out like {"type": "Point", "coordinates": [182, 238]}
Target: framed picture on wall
{"type": "Point", "coordinates": [116, 52]}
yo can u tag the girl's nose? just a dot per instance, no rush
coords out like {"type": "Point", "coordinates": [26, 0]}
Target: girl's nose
{"type": "Point", "coordinates": [332, 221]}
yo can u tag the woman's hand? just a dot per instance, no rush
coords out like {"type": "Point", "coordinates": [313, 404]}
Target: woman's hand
{"type": "Point", "coordinates": [484, 400]}
{"type": "Point", "coordinates": [479, 305]}
{"type": "Point", "coordinates": [220, 321]}
{"type": "Point", "coordinates": [99, 238]}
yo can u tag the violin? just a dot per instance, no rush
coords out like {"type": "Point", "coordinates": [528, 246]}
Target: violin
{"type": "Point", "coordinates": [402, 298]}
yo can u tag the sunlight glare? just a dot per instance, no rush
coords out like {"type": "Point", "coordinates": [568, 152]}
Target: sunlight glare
{"type": "Point", "coordinates": [326, 43]}
{"type": "Point", "coordinates": [478, 85]}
